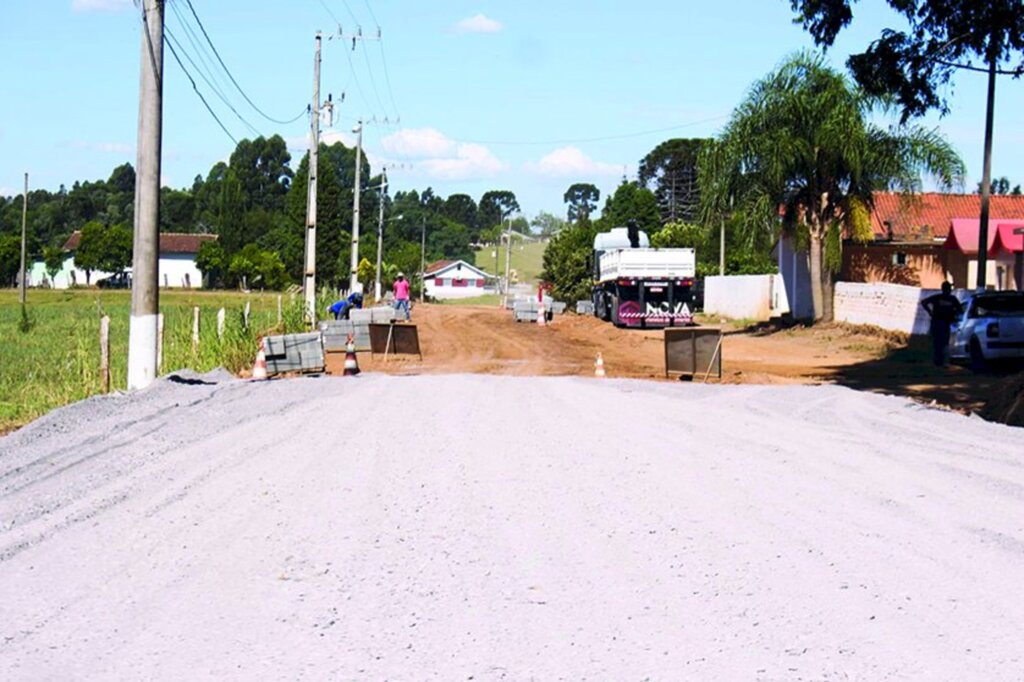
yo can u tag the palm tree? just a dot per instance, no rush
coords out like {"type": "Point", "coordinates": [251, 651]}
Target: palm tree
{"type": "Point", "coordinates": [802, 146]}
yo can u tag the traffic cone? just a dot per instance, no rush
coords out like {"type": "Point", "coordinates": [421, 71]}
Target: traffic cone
{"type": "Point", "coordinates": [259, 368]}
{"type": "Point", "coordinates": [541, 314]}
{"type": "Point", "coordinates": [351, 363]}
{"type": "Point", "coordinates": [599, 366]}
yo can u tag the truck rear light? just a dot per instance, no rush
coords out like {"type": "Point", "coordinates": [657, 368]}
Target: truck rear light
{"type": "Point", "coordinates": [992, 330]}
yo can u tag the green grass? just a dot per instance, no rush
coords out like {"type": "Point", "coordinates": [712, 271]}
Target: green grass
{"type": "Point", "coordinates": [527, 260]}
{"type": "Point", "coordinates": [485, 299]}
{"type": "Point", "coordinates": [57, 361]}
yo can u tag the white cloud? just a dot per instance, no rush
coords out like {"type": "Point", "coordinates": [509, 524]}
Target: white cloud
{"type": "Point", "coordinates": [9, 192]}
{"type": "Point", "coordinates": [103, 147]}
{"type": "Point", "coordinates": [478, 24]}
{"type": "Point", "coordinates": [100, 5]}
{"type": "Point", "coordinates": [571, 162]}
{"type": "Point", "coordinates": [440, 157]}
{"type": "Point", "coordinates": [418, 143]}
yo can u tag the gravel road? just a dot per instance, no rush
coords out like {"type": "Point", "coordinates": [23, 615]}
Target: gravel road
{"type": "Point", "coordinates": [510, 528]}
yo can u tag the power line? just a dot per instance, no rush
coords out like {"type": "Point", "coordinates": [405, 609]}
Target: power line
{"type": "Point", "coordinates": [202, 52]}
{"type": "Point", "coordinates": [228, 72]}
{"type": "Point", "coordinates": [216, 91]}
{"type": "Point", "coordinates": [203, 99]}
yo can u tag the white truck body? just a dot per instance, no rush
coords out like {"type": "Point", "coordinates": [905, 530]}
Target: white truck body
{"type": "Point", "coordinates": [647, 263]}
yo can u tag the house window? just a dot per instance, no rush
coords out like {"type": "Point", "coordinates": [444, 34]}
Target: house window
{"type": "Point", "coordinates": [479, 284]}
{"type": "Point", "coordinates": [458, 282]}
{"type": "Point", "coordinates": [899, 259]}
{"type": "Point", "coordinates": [439, 281]}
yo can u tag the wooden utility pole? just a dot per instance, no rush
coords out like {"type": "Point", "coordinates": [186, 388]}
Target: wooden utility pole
{"type": "Point", "coordinates": [142, 339]}
{"type": "Point", "coordinates": [309, 279]}
{"type": "Point", "coordinates": [353, 279]}
{"type": "Point", "coordinates": [423, 258]}
{"type": "Point", "coordinates": [21, 271]}
{"type": "Point", "coordinates": [986, 178]}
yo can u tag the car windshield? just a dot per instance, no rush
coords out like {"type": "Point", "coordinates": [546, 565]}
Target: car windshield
{"type": "Point", "coordinates": [998, 306]}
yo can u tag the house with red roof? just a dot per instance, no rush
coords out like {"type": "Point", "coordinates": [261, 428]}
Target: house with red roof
{"type": "Point", "coordinates": [177, 264]}
{"type": "Point", "coordinates": [925, 239]}
{"type": "Point", "coordinates": [445, 279]}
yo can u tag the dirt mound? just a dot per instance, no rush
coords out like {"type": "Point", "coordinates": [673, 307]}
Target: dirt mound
{"type": "Point", "coordinates": [1007, 402]}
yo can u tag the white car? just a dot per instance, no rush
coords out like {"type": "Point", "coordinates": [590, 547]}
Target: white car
{"type": "Point", "coordinates": [991, 328]}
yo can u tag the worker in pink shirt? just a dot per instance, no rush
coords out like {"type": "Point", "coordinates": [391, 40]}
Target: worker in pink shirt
{"type": "Point", "coordinates": [401, 289]}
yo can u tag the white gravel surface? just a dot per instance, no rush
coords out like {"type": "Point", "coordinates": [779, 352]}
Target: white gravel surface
{"type": "Point", "coordinates": [481, 527]}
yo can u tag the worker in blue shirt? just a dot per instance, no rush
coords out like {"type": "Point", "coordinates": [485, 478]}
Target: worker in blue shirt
{"type": "Point", "coordinates": [343, 308]}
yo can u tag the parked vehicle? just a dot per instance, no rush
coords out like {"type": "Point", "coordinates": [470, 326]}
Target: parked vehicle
{"type": "Point", "coordinates": [121, 280]}
{"type": "Point", "coordinates": [991, 328]}
{"type": "Point", "coordinates": [637, 286]}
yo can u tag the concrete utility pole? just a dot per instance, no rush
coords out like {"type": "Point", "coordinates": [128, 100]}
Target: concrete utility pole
{"type": "Point", "coordinates": [380, 233]}
{"type": "Point", "coordinates": [353, 280]}
{"type": "Point", "coordinates": [309, 278]}
{"type": "Point", "coordinates": [142, 334]}
{"type": "Point", "coordinates": [508, 260]}
{"type": "Point", "coordinates": [24, 220]}
{"type": "Point", "coordinates": [423, 257]}
{"type": "Point", "coordinates": [986, 179]}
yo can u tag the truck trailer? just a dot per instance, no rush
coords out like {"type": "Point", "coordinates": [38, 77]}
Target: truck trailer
{"type": "Point", "coordinates": [638, 286]}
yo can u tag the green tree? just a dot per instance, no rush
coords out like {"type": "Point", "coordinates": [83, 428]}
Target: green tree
{"type": "Point", "coordinates": [495, 206]}
{"type": "Point", "coordinates": [10, 255]}
{"type": "Point", "coordinates": [582, 199]}
{"type": "Point", "coordinates": [802, 140]}
{"type": "Point", "coordinates": [547, 224]}
{"type": "Point", "coordinates": [103, 248]}
{"type": "Point", "coordinates": [255, 268]}
{"type": "Point", "coordinates": [567, 261]}
{"type": "Point", "coordinates": [631, 202]}
{"type": "Point", "coordinates": [212, 262]}
{"type": "Point", "coordinates": [53, 260]}
{"type": "Point", "coordinates": [366, 273]}
{"type": "Point", "coordinates": [460, 208]}
{"type": "Point", "coordinates": [261, 167]}
{"type": "Point", "coordinates": [670, 171]}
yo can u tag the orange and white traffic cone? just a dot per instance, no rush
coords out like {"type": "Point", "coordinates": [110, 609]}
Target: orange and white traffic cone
{"type": "Point", "coordinates": [541, 314]}
{"type": "Point", "coordinates": [259, 368]}
{"type": "Point", "coordinates": [351, 363]}
{"type": "Point", "coordinates": [599, 366]}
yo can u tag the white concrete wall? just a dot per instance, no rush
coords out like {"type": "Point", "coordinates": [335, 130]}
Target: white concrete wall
{"type": "Point", "coordinates": [176, 271]}
{"type": "Point", "coordinates": [890, 306]}
{"type": "Point", "coordinates": [447, 292]}
{"type": "Point", "coordinates": [795, 271]}
{"type": "Point", "coordinates": [745, 297]}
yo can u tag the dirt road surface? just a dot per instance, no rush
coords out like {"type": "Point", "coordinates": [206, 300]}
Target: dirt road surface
{"type": "Point", "coordinates": [495, 527]}
{"type": "Point", "coordinates": [486, 340]}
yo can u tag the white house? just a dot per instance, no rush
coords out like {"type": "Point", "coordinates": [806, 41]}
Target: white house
{"type": "Point", "coordinates": [454, 279]}
{"type": "Point", "coordinates": [177, 264]}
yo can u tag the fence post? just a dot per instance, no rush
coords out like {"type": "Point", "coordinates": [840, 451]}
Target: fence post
{"type": "Point", "coordinates": [245, 316]}
{"type": "Point", "coordinates": [220, 323]}
{"type": "Point", "coordinates": [195, 329]}
{"type": "Point", "coordinates": [105, 354]}
{"type": "Point", "coordinates": [159, 342]}
{"type": "Point", "coordinates": [279, 315]}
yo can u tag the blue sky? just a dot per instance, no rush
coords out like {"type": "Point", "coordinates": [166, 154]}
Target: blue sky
{"type": "Point", "coordinates": [529, 96]}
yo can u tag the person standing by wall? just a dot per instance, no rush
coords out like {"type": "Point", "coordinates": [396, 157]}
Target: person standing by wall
{"type": "Point", "coordinates": [401, 291]}
{"type": "Point", "coordinates": [944, 309]}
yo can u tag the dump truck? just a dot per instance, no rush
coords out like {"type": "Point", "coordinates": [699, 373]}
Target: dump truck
{"type": "Point", "coordinates": [639, 286]}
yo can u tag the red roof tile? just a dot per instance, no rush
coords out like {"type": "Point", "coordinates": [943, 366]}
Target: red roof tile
{"type": "Point", "coordinates": [437, 265]}
{"type": "Point", "coordinates": [926, 217]}
{"type": "Point", "coordinates": [170, 242]}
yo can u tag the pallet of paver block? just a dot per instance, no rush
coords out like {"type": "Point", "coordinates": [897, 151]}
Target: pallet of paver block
{"type": "Point", "coordinates": [584, 307]}
{"type": "Point", "coordinates": [335, 333]}
{"type": "Point", "coordinates": [294, 353]}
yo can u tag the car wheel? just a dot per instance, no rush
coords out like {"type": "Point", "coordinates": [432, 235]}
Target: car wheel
{"type": "Point", "coordinates": [978, 362]}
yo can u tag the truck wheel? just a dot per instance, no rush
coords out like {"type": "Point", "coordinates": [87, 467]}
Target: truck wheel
{"type": "Point", "coordinates": [978, 362]}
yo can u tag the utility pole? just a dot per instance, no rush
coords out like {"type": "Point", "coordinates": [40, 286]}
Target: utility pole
{"type": "Point", "coordinates": [986, 178]}
{"type": "Point", "coordinates": [142, 335]}
{"type": "Point", "coordinates": [508, 259]}
{"type": "Point", "coordinates": [423, 257]}
{"type": "Point", "coordinates": [353, 280]}
{"type": "Point", "coordinates": [380, 232]}
{"type": "Point", "coordinates": [309, 278]}
{"type": "Point", "coordinates": [21, 272]}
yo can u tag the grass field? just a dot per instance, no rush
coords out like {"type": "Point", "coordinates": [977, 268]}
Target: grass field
{"type": "Point", "coordinates": [57, 361]}
{"type": "Point", "coordinates": [485, 299]}
{"type": "Point", "coordinates": [527, 261]}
